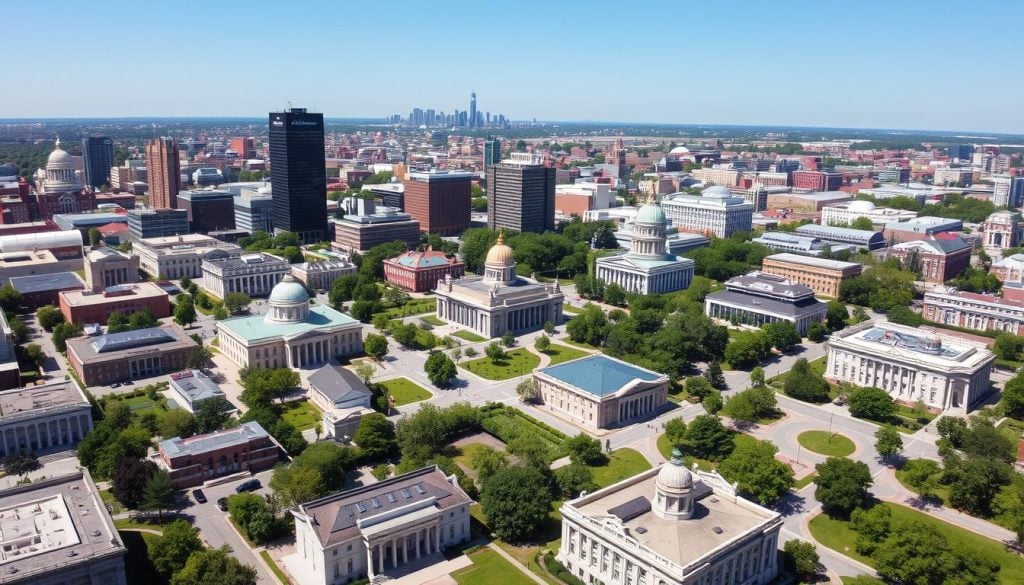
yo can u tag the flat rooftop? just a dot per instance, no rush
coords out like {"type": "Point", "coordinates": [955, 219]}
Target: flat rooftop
{"type": "Point", "coordinates": [886, 339]}
{"type": "Point", "coordinates": [195, 385]}
{"type": "Point", "coordinates": [138, 290]}
{"type": "Point", "coordinates": [813, 261]}
{"type": "Point", "coordinates": [599, 375]}
{"type": "Point", "coordinates": [33, 399]}
{"type": "Point", "coordinates": [200, 444]}
{"type": "Point", "coordinates": [44, 282]}
{"type": "Point", "coordinates": [27, 257]}
{"type": "Point", "coordinates": [129, 343]}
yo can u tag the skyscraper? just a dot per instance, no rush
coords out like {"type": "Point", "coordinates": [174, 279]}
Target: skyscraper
{"type": "Point", "coordinates": [492, 152]}
{"type": "Point", "coordinates": [439, 200]}
{"type": "Point", "coordinates": [298, 174]}
{"type": "Point", "coordinates": [98, 152]}
{"type": "Point", "coordinates": [163, 170]}
{"type": "Point", "coordinates": [521, 194]}
{"type": "Point", "coordinates": [472, 110]}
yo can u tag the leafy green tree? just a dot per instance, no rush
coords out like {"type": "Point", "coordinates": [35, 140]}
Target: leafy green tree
{"type": "Point", "coordinates": [816, 332]}
{"type": "Point", "coordinates": [440, 369]}
{"type": "Point", "coordinates": [842, 485]}
{"type": "Point", "coordinates": [675, 432]}
{"type": "Point", "coordinates": [835, 318]}
{"type": "Point", "coordinates": [905, 316]}
{"type": "Point", "coordinates": [872, 526]}
{"type": "Point", "coordinates": [35, 354]}
{"type": "Point", "coordinates": [366, 371]}
{"type": "Point", "coordinates": [573, 479]}
{"type": "Point", "coordinates": [404, 333]}
{"type": "Point", "coordinates": [64, 331]}
{"type": "Point", "coordinates": [375, 436]}
{"type": "Point", "coordinates": [487, 461]}
{"type": "Point", "coordinates": [549, 328]}
{"type": "Point", "coordinates": [872, 403]}
{"type": "Point", "coordinates": [984, 440]}
{"type": "Point", "coordinates": [712, 403]}
{"type": "Point", "coordinates": [614, 295]}
{"type": "Point", "coordinates": [751, 404]}
{"type": "Point", "coordinates": [782, 335]}
{"type": "Point", "coordinates": [128, 483]}
{"type": "Point", "coordinates": [590, 327]}
{"type": "Point", "coordinates": [699, 386]}
{"type": "Point", "coordinates": [177, 423]}
{"type": "Point", "coordinates": [920, 474]}
{"type": "Point", "coordinates": [974, 484]}
{"type": "Point", "coordinates": [170, 552]}
{"type": "Point", "coordinates": [714, 375]}
{"type": "Point", "coordinates": [495, 352]}
{"type": "Point", "coordinates": [1008, 346]}
{"type": "Point", "coordinates": [236, 302]}
{"type": "Point", "coordinates": [1013, 397]}
{"type": "Point", "coordinates": [214, 567]}
{"type": "Point", "coordinates": [184, 310]}
{"type": "Point", "coordinates": [211, 415]}
{"type": "Point", "coordinates": [296, 484]}
{"type": "Point", "coordinates": [542, 343]}
{"type": "Point", "coordinates": [759, 475]}
{"type": "Point", "coordinates": [527, 391]}
{"type": "Point", "coordinates": [531, 449]}
{"type": "Point", "coordinates": [508, 339]}
{"type": "Point", "coordinates": [117, 322]}
{"type": "Point", "coordinates": [888, 442]}
{"type": "Point", "coordinates": [757, 377]}
{"type": "Point", "coordinates": [801, 558]}
{"type": "Point", "coordinates": [805, 384]}
{"type": "Point", "coordinates": [49, 317]}
{"type": "Point", "coordinates": [862, 223]}
{"type": "Point", "coordinates": [916, 552]}
{"type": "Point", "coordinates": [748, 350]}
{"type": "Point", "coordinates": [584, 449]}
{"type": "Point", "coordinates": [708, 438]}
{"type": "Point", "coordinates": [342, 290]}
{"type": "Point", "coordinates": [159, 493]}
{"type": "Point", "coordinates": [516, 501]}
{"type": "Point", "coordinates": [10, 298]}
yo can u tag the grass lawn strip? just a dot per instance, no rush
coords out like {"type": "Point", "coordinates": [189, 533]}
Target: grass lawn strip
{"type": "Point", "coordinates": [490, 568]}
{"type": "Point", "coordinates": [822, 443]}
{"type": "Point", "coordinates": [302, 414]}
{"type": "Point", "coordinates": [405, 390]}
{"type": "Point", "coordinates": [468, 336]}
{"type": "Point", "coordinates": [622, 463]}
{"type": "Point", "coordinates": [274, 568]}
{"type": "Point", "coordinates": [432, 320]}
{"type": "Point", "coordinates": [561, 353]}
{"type": "Point", "coordinates": [519, 363]}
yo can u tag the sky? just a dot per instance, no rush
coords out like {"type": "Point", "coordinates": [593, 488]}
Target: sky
{"type": "Point", "coordinates": [932, 65]}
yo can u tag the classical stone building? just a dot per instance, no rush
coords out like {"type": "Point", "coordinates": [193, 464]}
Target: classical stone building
{"type": "Point", "coordinates": [176, 257]}
{"type": "Point", "coordinates": [758, 298]}
{"type": "Point", "coordinates": [499, 301]}
{"type": "Point", "coordinates": [106, 267]}
{"type": "Point", "coordinates": [420, 271]}
{"type": "Point", "coordinates": [670, 526]}
{"type": "Point", "coordinates": [343, 398]}
{"type": "Point", "coordinates": [53, 416]}
{"type": "Point", "coordinates": [974, 311]}
{"type": "Point", "coordinates": [1004, 229]}
{"type": "Point", "coordinates": [253, 274]}
{"type": "Point", "coordinates": [61, 187]}
{"type": "Point", "coordinates": [647, 268]}
{"type": "Point", "coordinates": [825, 277]}
{"type": "Point", "coordinates": [716, 211]}
{"type": "Point", "coordinates": [321, 275]}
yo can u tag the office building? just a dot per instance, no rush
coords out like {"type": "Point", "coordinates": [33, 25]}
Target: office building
{"type": "Point", "coordinates": [420, 271]}
{"type": "Point", "coordinates": [521, 194]}
{"type": "Point", "coordinates": [717, 176]}
{"type": "Point", "coordinates": [788, 242]}
{"type": "Point", "coordinates": [600, 392]}
{"type": "Point", "coordinates": [10, 373]}
{"type": "Point", "coordinates": [244, 147]}
{"type": "Point", "coordinates": [758, 298]}
{"type": "Point", "coordinates": [254, 209]}
{"type": "Point", "coordinates": [957, 177]}
{"type": "Point", "coordinates": [579, 198]}
{"type": "Point", "coordinates": [96, 306]}
{"type": "Point", "coordinates": [247, 448]}
{"type": "Point", "coordinates": [51, 417]}
{"type": "Point", "coordinates": [973, 311]}
{"type": "Point", "coordinates": [961, 151]}
{"type": "Point", "coordinates": [1008, 191]}
{"type": "Point", "coordinates": [205, 176]}
{"type": "Point", "coordinates": [499, 301]}
{"type": "Point", "coordinates": [343, 398]}
{"type": "Point", "coordinates": [1004, 229]}
{"type": "Point", "coordinates": [366, 531]}
{"type": "Point", "coordinates": [472, 111]}
{"type": "Point", "coordinates": [810, 202]}
{"type": "Point", "coordinates": [44, 289]}
{"type": "Point", "coordinates": [715, 212]}
{"type": "Point", "coordinates": [157, 223]}
{"type": "Point", "coordinates": [825, 277]}
{"type": "Point", "coordinates": [940, 370]}
{"type": "Point", "coordinates": [106, 267]}
{"type": "Point", "coordinates": [192, 388]}
{"type": "Point", "coordinates": [439, 200]}
{"type": "Point", "coordinates": [57, 531]}
{"type": "Point", "coordinates": [98, 158]}
{"type": "Point", "coordinates": [389, 194]}
{"type": "Point", "coordinates": [937, 259]}
{"type": "Point", "coordinates": [163, 172]}
{"type": "Point", "coordinates": [129, 355]}
{"type": "Point", "coordinates": [667, 525]}
{"type": "Point", "coordinates": [366, 226]}
{"type": "Point", "coordinates": [298, 173]}
{"type": "Point", "coordinates": [492, 153]}
{"type": "Point", "coordinates": [292, 334]}
{"type": "Point", "coordinates": [861, 239]}
{"type": "Point", "coordinates": [894, 175]}
{"type": "Point", "coordinates": [647, 268]}
{"type": "Point", "coordinates": [845, 213]}
{"type": "Point", "coordinates": [921, 228]}
{"type": "Point", "coordinates": [320, 275]}
{"type": "Point", "coordinates": [817, 180]}
{"type": "Point", "coordinates": [254, 274]}
{"type": "Point", "coordinates": [208, 211]}
{"type": "Point", "coordinates": [175, 257]}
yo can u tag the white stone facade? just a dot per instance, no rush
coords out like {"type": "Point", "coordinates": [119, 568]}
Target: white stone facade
{"type": "Point", "coordinates": [716, 212]}
{"type": "Point", "coordinates": [253, 274]}
{"type": "Point", "coordinates": [647, 268]}
{"type": "Point", "coordinates": [54, 416]}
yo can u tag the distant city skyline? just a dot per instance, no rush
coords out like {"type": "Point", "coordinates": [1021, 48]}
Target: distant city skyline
{"type": "Point", "coordinates": [805, 64]}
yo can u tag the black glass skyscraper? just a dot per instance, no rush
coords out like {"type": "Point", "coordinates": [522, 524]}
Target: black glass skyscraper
{"type": "Point", "coordinates": [298, 174]}
{"type": "Point", "coordinates": [98, 153]}
{"type": "Point", "coordinates": [472, 110]}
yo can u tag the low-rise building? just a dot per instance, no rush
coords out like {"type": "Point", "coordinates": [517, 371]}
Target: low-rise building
{"type": "Point", "coordinates": [32, 263]}
{"type": "Point", "coordinates": [600, 392]}
{"type": "Point", "coordinates": [192, 387]}
{"type": "Point", "coordinates": [846, 212]}
{"type": "Point", "coordinates": [580, 198]}
{"type": "Point", "coordinates": [367, 531]}
{"type": "Point", "coordinates": [343, 398]}
{"type": "Point", "coordinates": [51, 417]}
{"type": "Point", "coordinates": [254, 274]}
{"type": "Point", "coordinates": [106, 267]}
{"type": "Point", "coordinates": [825, 277]}
{"type": "Point", "coordinates": [921, 228]}
{"type": "Point", "coordinates": [65, 246]}
{"type": "Point", "coordinates": [758, 298]}
{"type": "Point", "coordinates": [420, 271]}
{"type": "Point", "coordinates": [10, 373]}
{"type": "Point", "coordinates": [862, 239]}
{"type": "Point", "coordinates": [82, 222]}
{"type": "Point", "coordinates": [943, 372]}
{"type": "Point", "coordinates": [176, 257]}
{"type": "Point", "coordinates": [57, 531]}
{"type": "Point", "coordinates": [800, 244]}
{"type": "Point", "coordinates": [129, 355]}
{"type": "Point", "coordinates": [366, 226]}
{"type": "Point", "coordinates": [958, 177]}
{"type": "Point", "coordinates": [1009, 269]}
{"type": "Point", "coordinates": [937, 259]}
{"type": "Point", "coordinates": [716, 211]}
{"type": "Point", "coordinates": [321, 275]}
{"type": "Point", "coordinates": [974, 311]}
{"type": "Point", "coordinates": [89, 306]}
{"type": "Point", "coordinates": [44, 289]}
{"type": "Point", "coordinates": [814, 201]}
{"type": "Point", "coordinates": [1004, 229]}
{"type": "Point", "coordinates": [157, 223]}
{"type": "Point", "coordinates": [200, 458]}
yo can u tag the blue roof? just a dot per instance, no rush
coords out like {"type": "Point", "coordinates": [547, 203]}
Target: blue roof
{"type": "Point", "coordinates": [599, 375]}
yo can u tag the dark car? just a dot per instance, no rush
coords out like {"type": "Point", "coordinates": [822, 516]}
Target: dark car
{"type": "Point", "coordinates": [248, 486]}
{"type": "Point", "coordinates": [222, 503]}
{"type": "Point", "coordinates": [199, 496]}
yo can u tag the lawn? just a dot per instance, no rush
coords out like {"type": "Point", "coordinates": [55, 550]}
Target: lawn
{"type": "Point", "coordinates": [519, 363]}
{"type": "Point", "coordinates": [562, 353]}
{"type": "Point", "coordinates": [622, 463]}
{"type": "Point", "coordinates": [302, 414]}
{"type": "Point", "coordinates": [468, 336]}
{"type": "Point", "coordinates": [571, 309]}
{"type": "Point", "coordinates": [940, 491]}
{"type": "Point", "coordinates": [837, 535]}
{"type": "Point", "coordinates": [123, 523]}
{"type": "Point", "coordinates": [405, 390]}
{"type": "Point", "coordinates": [805, 481]}
{"type": "Point", "coordinates": [465, 457]}
{"type": "Point", "coordinates": [666, 450]}
{"type": "Point", "coordinates": [817, 365]}
{"type": "Point", "coordinates": [821, 442]}
{"type": "Point", "coordinates": [488, 568]}
{"type": "Point", "coordinates": [273, 567]}
{"type": "Point", "coordinates": [1012, 429]}
{"type": "Point", "coordinates": [580, 344]}
{"type": "Point", "coordinates": [412, 307]}
{"type": "Point", "coordinates": [548, 538]}
{"type": "Point", "coordinates": [432, 320]}
{"type": "Point", "coordinates": [109, 499]}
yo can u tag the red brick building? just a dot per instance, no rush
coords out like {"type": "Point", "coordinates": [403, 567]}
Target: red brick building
{"type": "Point", "coordinates": [439, 200]}
{"type": "Point", "coordinates": [80, 306]}
{"type": "Point", "coordinates": [817, 180]}
{"type": "Point", "coordinates": [197, 459]}
{"type": "Point", "coordinates": [420, 271]}
{"type": "Point", "coordinates": [129, 355]}
{"type": "Point", "coordinates": [939, 258]}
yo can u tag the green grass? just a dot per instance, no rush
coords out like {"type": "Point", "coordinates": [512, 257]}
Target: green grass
{"type": "Point", "coordinates": [519, 363]}
{"type": "Point", "coordinates": [940, 491]}
{"type": "Point", "coordinates": [412, 307]}
{"type": "Point", "coordinates": [489, 568]}
{"type": "Point", "coordinates": [837, 535]}
{"type": "Point", "coordinates": [405, 390]}
{"type": "Point", "coordinates": [567, 308]}
{"type": "Point", "coordinates": [273, 567]}
{"type": "Point", "coordinates": [622, 463]}
{"type": "Point", "coordinates": [665, 448]}
{"type": "Point", "coordinates": [817, 365]}
{"type": "Point", "coordinates": [109, 499]}
{"type": "Point", "coordinates": [561, 353]}
{"type": "Point", "coordinates": [468, 336]}
{"type": "Point", "coordinates": [805, 481]}
{"type": "Point", "coordinates": [821, 442]}
{"type": "Point", "coordinates": [302, 414]}
{"type": "Point", "coordinates": [506, 423]}
{"type": "Point", "coordinates": [549, 537]}
{"type": "Point", "coordinates": [133, 523]}
{"type": "Point", "coordinates": [1012, 429]}
{"type": "Point", "coordinates": [465, 456]}
{"type": "Point", "coordinates": [432, 320]}
{"type": "Point", "coordinates": [580, 344]}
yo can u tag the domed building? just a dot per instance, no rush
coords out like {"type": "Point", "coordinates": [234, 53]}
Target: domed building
{"type": "Point", "coordinates": [292, 334]}
{"type": "Point", "coordinates": [60, 188]}
{"type": "Point", "coordinates": [1004, 229]}
{"type": "Point", "coordinates": [500, 300]}
{"type": "Point", "coordinates": [647, 268]}
{"type": "Point", "coordinates": [845, 213]}
{"type": "Point", "coordinates": [670, 526]}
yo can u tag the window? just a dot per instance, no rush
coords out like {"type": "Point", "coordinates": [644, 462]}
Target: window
{"type": "Point", "coordinates": [451, 531]}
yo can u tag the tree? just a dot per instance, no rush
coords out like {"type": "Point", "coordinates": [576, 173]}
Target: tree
{"type": "Point", "coordinates": [759, 475]}
{"type": "Point", "coordinates": [159, 493]}
{"type": "Point", "coordinates": [835, 318]}
{"type": "Point", "coordinates": [530, 449]}
{"type": "Point", "coordinates": [1013, 396]}
{"type": "Point", "coordinates": [590, 327]}
{"type": "Point", "coordinates": [404, 333]}
{"type": "Point", "coordinates": [10, 298]}
{"type": "Point", "coordinates": [184, 310]}
{"type": "Point", "coordinates": [543, 343]}
{"type": "Point", "coordinates": [487, 461]}
{"type": "Point", "coordinates": [516, 501]}
{"type": "Point", "coordinates": [805, 384]}
{"type": "Point", "coordinates": [49, 317]}
{"type": "Point", "coordinates": [495, 352]}
{"type": "Point", "coordinates": [801, 558]}
{"type": "Point", "coordinates": [211, 415]}
{"type": "Point", "coordinates": [508, 339]}
{"type": "Point", "coordinates": [888, 442]}
{"type": "Point", "coordinates": [712, 403]}
{"type": "Point", "coordinates": [34, 353]}
{"type": "Point", "coordinates": [862, 223]}
{"type": "Point", "coordinates": [708, 438]}
{"type": "Point", "coordinates": [872, 526]}
{"type": "Point", "coordinates": [782, 335]}
{"type": "Point", "coordinates": [214, 567]}
{"type": "Point", "coordinates": [816, 332]}
{"type": "Point", "coordinates": [170, 552]}
{"type": "Point", "coordinates": [177, 423]}
{"type": "Point", "coordinates": [236, 302]}
{"type": "Point", "coordinates": [366, 371]}
{"type": "Point", "coordinates": [527, 391]}
{"type": "Point", "coordinates": [128, 483]}
{"type": "Point", "coordinates": [220, 313]}
{"type": "Point", "coordinates": [549, 328]}
{"type": "Point", "coordinates": [920, 474]}
{"type": "Point", "coordinates": [21, 463]}
{"type": "Point", "coordinates": [748, 350]}
{"type": "Point", "coordinates": [64, 331]}
{"type": "Point", "coordinates": [186, 283]}
{"type": "Point", "coordinates": [342, 290]}
{"type": "Point", "coordinates": [751, 404]}
{"type": "Point", "coordinates": [757, 377]}
{"type": "Point", "coordinates": [872, 403]}
{"type": "Point", "coordinates": [905, 316]}
{"type": "Point", "coordinates": [842, 485]}
{"type": "Point", "coordinates": [675, 432]}
{"type": "Point", "coordinates": [584, 449]}
{"type": "Point", "coordinates": [699, 386]}
{"type": "Point", "coordinates": [919, 553]}
{"type": "Point", "coordinates": [440, 369]}
{"type": "Point", "coordinates": [199, 358]}
{"type": "Point", "coordinates": [714, 375]}
{"type": "Point", "coordinates": [296, 484]}
{"type": "Point", "coordinates": [117, 322]}
{"type": "Point", "coordinates": [375, 436]}
{"type": "Point", "coordinates": [614, 295]}
{"type": "Point", "coordinates": [974, 484]}
{"type": "Point", "coordinates": [573, 479]}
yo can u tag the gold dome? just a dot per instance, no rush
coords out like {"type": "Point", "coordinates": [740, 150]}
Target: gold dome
{"type": "Point", "coordinates": [500, 253]}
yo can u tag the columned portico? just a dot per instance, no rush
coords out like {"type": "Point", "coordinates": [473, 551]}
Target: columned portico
{"type": "Point", "coordinates": [383, 552]}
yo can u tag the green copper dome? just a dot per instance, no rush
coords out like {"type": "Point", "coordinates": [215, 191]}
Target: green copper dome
{"type": "Point", "coordinates": [650, 213]}
{"type": "Point", "coordinates": [289, 290]}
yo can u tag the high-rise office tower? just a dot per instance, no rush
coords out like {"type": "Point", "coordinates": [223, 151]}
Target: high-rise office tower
{"type": "Point", "coordinates": [163, 170]}
{"type": "Point", "coordinates": [98, 153]}
{"type": "Point", "coordinates": [492, 152]}
{"type": "Point", "coordinates": [298, 174]}
{"type": "Point", "coordinates": [439, 200]}
{"type": "Point", "coordinates": [521, 194]}
{"type": "Point", "coordinates": [472, 110]}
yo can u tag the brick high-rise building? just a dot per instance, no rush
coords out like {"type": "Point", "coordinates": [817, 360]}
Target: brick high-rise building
{"type": "Point", "coordinates": [520, 194]}
{"type": "Point", "coordinates": [163, 169]}
{"type": "Point", "coordinates": [298, 174]}
{"type": "Point", "coordinates": [245, 147]}
{"type": "Point", "coordinates": [439, 200]}
{"type": "Point", "coordinates": [817, 180]}
{"type": "Point", "coordinates": [98, 155]}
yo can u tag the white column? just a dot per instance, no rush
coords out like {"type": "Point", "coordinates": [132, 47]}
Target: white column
{"type": "Point", "coordinates": [369, 561]}
{"type": "Point", "coordinates": [394, 553]}
{"type": "Point", "coordinates": [405, 548]}
{"type": "Point", "coordinates": [380, 558]}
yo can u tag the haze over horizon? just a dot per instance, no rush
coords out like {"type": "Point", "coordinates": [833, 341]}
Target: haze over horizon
{"type": "Point", "coordinates": [807, 65]}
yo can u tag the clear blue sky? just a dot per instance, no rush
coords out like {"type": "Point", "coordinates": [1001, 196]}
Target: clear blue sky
{"type": "Point", "coordinates": [891, 64]}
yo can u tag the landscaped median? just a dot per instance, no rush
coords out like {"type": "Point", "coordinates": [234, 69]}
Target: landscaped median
{"type": "Point", "coordinates": [490, 568]}
{"type": "Point", "coordinates": [405, 390]}
{"type": "Point", "coordinates": [825, 443]}
{"type": "Point", "coordinates": [562, 353]}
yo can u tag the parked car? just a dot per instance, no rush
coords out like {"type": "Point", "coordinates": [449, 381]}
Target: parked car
{"type": "Point", "coordinates": [199, 496]}
{"type": "Point", "coordinates": [222, 503]}
{"type": "Point", "coordinates": [248, 486]}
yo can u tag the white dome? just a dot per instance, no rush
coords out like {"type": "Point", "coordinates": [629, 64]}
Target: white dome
{"type": "Point", "coordinates": [716, 191]}
{"type": "Point", "coordinates": [861, 206]}
{"type": "Point", "coordinates": [674, 475]}
{"type": "Point", "coordinates": [289, 290]}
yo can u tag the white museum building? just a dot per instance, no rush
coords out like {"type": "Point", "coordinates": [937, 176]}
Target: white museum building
{"type": "Point", "coordinates": [647, 268]}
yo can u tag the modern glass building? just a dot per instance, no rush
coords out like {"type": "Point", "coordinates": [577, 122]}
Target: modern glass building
{"type": "Point", "coordinates": [298, 174]}
{"type": "Point", "coordinates": [98, 153]}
